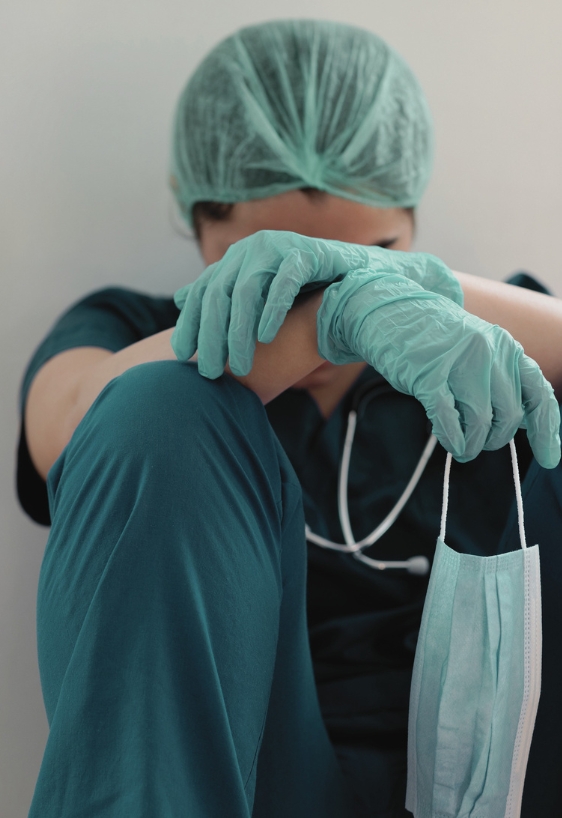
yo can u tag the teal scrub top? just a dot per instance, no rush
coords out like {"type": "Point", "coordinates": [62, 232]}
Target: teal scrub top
{"type": "Point", "coordinates": [363, 623]}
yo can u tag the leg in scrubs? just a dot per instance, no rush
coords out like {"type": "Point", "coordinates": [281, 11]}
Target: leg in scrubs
{"type": "Point", "coordinates": [172, 632]}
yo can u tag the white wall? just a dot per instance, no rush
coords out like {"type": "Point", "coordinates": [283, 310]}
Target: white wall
{"type": "Point", "coordinates": [87, 92]}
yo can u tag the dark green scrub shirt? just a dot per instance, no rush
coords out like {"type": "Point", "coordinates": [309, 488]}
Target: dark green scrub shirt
{"type": "Point", "coordinates": [363, 623]}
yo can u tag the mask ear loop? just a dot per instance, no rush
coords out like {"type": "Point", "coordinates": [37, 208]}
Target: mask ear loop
{"type": "Point", "coordinates": [518, 495]}
{"type": "Point", "coordinates": [445, 505]}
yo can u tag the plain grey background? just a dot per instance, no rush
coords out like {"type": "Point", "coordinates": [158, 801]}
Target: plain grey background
{"type": "Point", "coordinates": [87, 90]}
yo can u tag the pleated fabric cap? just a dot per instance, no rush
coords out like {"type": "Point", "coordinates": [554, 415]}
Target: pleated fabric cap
{"type": "Point", "coordinates": [301, 103]}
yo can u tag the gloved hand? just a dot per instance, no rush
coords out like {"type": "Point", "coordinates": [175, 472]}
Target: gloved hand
{"type": "Point", "coordinates": [246, 295]}
{"type": "Point", "coordinates": [473, 379]}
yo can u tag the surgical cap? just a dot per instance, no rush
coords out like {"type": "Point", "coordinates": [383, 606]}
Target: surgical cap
{"type": "Point", "coordinates": [301, 103]}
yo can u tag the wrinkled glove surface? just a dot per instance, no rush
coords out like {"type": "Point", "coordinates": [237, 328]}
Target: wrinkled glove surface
{"type": "Point", "coordinates": [246, 295]}
{"type": "Point", "coordinates": [473, 379]}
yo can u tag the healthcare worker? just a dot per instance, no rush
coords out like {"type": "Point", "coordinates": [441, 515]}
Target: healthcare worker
{"type": "Point", "coordinates": [194, 661]}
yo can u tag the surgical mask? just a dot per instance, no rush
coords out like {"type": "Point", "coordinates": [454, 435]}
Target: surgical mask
{"type": "Point", "coordinates": [476, 680]}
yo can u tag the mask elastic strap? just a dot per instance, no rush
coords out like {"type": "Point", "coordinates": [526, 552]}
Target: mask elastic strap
{"type": "Point", "coordinates": [445, 504]}
{"type": "Point", "coordinates": [518, 495]}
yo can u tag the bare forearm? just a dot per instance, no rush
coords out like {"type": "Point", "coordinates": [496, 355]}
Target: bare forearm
{"type": "Point", "coordinates": [278, 365]}
{"type": "Point", "coordinates": [66, 386]}
{"type": "Point", "coordinates": [293, 353]}
{"type": "Point", "coordinates": [534, 319]}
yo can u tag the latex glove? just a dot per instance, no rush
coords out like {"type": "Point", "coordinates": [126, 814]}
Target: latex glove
{"type": "Point", "coordinates": [473, 379]}
{"type": "Point", "coordinates": [246, 295]}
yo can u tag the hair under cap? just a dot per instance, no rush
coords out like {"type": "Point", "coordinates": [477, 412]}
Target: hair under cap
{"type": "Point", "coordinates": [301, 103]}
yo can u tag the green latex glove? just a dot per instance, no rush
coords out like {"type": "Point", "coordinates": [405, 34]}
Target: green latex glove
{"type": "Point", "coordinates": [473, 379]}
{"type": "Point", "coordinates": [246, 295]}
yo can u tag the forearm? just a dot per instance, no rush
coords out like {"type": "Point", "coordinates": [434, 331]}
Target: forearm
{"type": "Point", "coordinates": [534, 319]}
{"type": "Point", "coordinates": [66, 386]}
{"type": "Point", "coordinates": [292, 354]}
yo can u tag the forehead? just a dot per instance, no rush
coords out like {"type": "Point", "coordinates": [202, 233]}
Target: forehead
{"type": "Point", "coordinates": [325, 216]}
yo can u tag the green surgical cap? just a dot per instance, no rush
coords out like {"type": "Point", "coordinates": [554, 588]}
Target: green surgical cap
{"type": "Point", "coordinates": [301, 103]}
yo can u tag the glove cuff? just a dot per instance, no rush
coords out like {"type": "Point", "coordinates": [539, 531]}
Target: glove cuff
{"type": "Point", "coordinates": [344, 310]}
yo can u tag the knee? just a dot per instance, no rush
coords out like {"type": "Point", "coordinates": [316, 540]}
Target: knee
{"type": "Point", "coordinates": [165, 394]}
{"type": "Point", "coordinates": [162, 389]}
{"type": "Point", "coordinates": [166, 413]}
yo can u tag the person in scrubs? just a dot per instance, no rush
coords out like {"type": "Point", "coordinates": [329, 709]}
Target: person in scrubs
{"type": "Point", "coordinates": [195, 658]}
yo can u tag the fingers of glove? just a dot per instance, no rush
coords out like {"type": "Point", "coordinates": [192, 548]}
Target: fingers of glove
{"type": "Point", "coordinates": [506, 398]}
{"type": "Point", "coordinates": [504, 427]}
{"type": "Point", "coordinates": [180, 295]}
{"type": "Point", "coordinates": [440, 279]}
{"type": "Point", "coordinates": [470, 387]}
{"type": "Point", "coordinates": [445, 420]}
{"type": "Point", "coordinates": [242, 341]}
{"type": "Point", "coordinates": [476, 423]}
{"type": "Point", "coordinates": [425, 269]}
{"type": "Point", "coordinates": [290, 277]}
{"type": "Point", "coordinates": [184, 338]}
{"type": "Point", "coordinates": [189, 299]}
{"type": "Point", "coordinates": [542, 413]}
{"type": "Point", "coordinates": [471, 380]}
{"type": "Point", "coordinates": [199, 285]}
{"type": "Point", "coordinates": [247, 308]}
{"type": "Point", "coordinates": [212, 343]}
{"type": "Point", "coordinates": [216, 309]}
{"type": "Point", "coordinates": [185, 334]}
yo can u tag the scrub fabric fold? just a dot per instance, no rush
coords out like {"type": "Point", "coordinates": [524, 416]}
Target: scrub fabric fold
{"type": "Point", "coordinates": [172, 634]}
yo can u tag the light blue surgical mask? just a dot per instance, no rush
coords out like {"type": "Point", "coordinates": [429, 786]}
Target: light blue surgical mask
{"type": "Point", "coordinates": [476, 680]}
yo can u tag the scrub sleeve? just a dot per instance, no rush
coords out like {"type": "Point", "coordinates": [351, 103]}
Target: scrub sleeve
{"type": "Point", "coordinates": [172, 632]}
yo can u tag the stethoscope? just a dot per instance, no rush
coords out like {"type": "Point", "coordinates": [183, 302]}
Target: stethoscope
{"type": "Point", "coordinates": [415, 565]}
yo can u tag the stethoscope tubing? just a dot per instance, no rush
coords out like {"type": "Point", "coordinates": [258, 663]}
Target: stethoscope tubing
{"type": "Point", "coordinates": [414, 565]}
